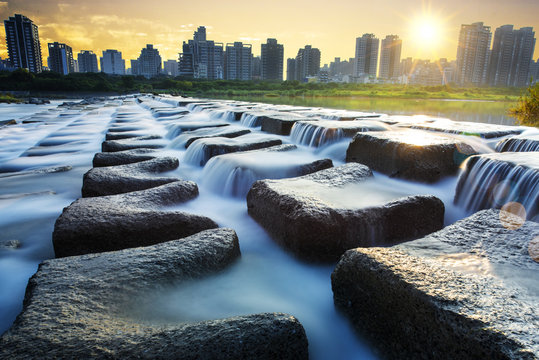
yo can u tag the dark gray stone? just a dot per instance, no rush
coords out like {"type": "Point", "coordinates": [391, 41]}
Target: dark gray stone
{"type": "Point", "coordinates": [129, 135]}
{"type": "Point", "coordinates": [8, 122]}
{"type": "Point", "coordinates": [78, 308]}
{"type": "Point", "coordinates": [123, 157]}
{"type": "Point", "coordinates": [281, 124]}
{"type": "Point", "coordinates": [204, 149]}
{"type": "Point", "coordinates": [141, 142]}
{"type": "Point", "coordinates": [10, 245]}
{"type": "Point", "coordinates": [519, 143]}
{"type": "Point", "coordinates": [120, 179]}
{"type": "Point", "coordinates": [461, 293]}
{"type": "Point", "coordinates": [414, 155]}
{"type": "Point", "coordinates": [188, 137]}
{"type": "Point", "coordinates": [180, 126]}
{"type": "Point", "coordinates": [320, 216]}
{"type": "Point", "coordinates": [115, 222]}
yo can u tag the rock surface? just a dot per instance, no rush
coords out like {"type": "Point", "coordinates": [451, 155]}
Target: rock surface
{"type": "Point", "coordinates": [115, 222]}
{"type": "Point", "coordinates": [413, 155]}
{"type": "Point", "coordinates": [460, 293]}
{"type": "Point", "coordinates": [486, 131]}
{"type": "Point", "coordinates": [77, 308]}
{"type": "Point", "coordinates": [123, 157]}
{"type": "Point", "coordinates": [186, 138]}
{"type": "Point", "coordinates": [120, 179]}
{"type": "Point", "coordinates": [141, 142]}
{"type": "Point", "coordinates": [321, 215]}
{"type": "Point", "coordinates": [281, 124]}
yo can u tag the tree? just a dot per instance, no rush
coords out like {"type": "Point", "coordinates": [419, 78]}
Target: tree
{"type": "Point", "coordinates": [527, 109]}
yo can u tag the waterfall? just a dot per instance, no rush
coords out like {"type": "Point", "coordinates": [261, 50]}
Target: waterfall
{"type": "Point", "coordinates": [493, 180]}
{"type": "Point", "coordinates": [251, 120]}
{"type": "Point", "coordinates": [310, 134]}
{"type": "Point", "coordinates": [516, 144]}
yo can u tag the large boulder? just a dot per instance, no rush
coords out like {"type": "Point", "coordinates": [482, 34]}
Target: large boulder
{"type": "Point", "coordinates": [141, 142]}
{"type": "Point", "coordinates": [321, 215]}
{"type": "Point", "coordinates": [77, 308]}
{"type": "Point", "coordinates": [281, 124]}
{"type": "Point", "coordinates": [123, 157]}
{"type": "Point", "coordinates": [485, 131]}
{"type": "Point", "coordinates": [129, 135]}
{"type": "Point", "coordinates": [519, 143]}
{"type": "Point", "coordinates": [204, 149]}
{"type": "Point", "coordinates": [178, 127]}
{"type": "Point", "coordinates": [119, 179]}
{"type": "Point", "coordinates": [115, 222]}
{"type": "Point", "coordinates": [414, 155]}
{"type": "Point", "coordinates": [461, 293]}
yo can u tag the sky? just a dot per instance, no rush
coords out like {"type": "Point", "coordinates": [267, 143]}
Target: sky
{"type": "Point", "coordinates": [428, 29]}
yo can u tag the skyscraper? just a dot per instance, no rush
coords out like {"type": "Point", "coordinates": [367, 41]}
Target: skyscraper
{"type": "Point", "coordinates": [170, 67]}
{"type": "Point", "coordinates": [238, 61]}
{"type": "Point", "coordinates": [473, 54]}
{"type": "Point", "coordinates": [307, 63]}
{"type": "Point", "coordinates": [23, 46]}
{"type": "Point", "coordinates": [61, 58]}
{"type": "Point", "coordinates": [511, 55]}
{"type": "Point", "coordinates": [148, 63]}
{"type": "Point", "coordinates": [112, 62]}
{"type": "Point", "coordinates": [256, 68]}
{"type": "Point", "coordinates": [366, 59]}
{"type": "Point", "coordinates": [390, 57]}
{"type": "Point", "coordinates": [290, 69]}
{"type": "Point", "coordinates": [272, 55]}
{"type": "Point", "coordinates": [202, 58]}
{"type": "Point", "coordinates": [87, 61]}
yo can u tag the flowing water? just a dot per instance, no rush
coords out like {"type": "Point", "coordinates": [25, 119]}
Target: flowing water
{"type": "Point", "coordinates": [42, 163]}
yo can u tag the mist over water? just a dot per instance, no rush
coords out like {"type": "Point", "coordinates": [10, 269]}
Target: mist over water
{"type": "Point", "coordinates": [265, 279]}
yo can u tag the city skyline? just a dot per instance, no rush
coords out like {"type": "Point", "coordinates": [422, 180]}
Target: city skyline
{"type": "Point", "coordinates": [429, 30]}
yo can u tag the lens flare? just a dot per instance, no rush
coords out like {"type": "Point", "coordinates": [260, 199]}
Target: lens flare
{"type": "Point", "coordinates": [512, 215]}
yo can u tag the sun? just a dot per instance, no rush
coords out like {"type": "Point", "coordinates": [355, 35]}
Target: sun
{"type": "Point", "coordinates": [426, 30]}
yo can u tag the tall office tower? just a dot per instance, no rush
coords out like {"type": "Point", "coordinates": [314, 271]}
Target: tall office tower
{"type": "Point", "coordinates": [290, 69]}
{"type": "Point", "coordinates": [170, 67]}
{"type": "Point", "coordinates": [87, 61]}
{"type": "Point", "coordinates": [366, 58]}
{"type": "Point", "coordinates": [61, 58]}
{"type": "Point", "coordinates": [511, 55]}
{"type": "Point", "coordinates": [112, 62]}
{"type": "Point", "coordinates": [201, 58]}
{"type": "Point", "coordinates": [238, 61]}
{"type": "Point", "coordinates": [307, 63]}
{"type": "Point", "coordinates": [473, 54]}
{"type": "Point", "coordinates": [23, 46]}
{"type": "Point", "coordinates": [148, 63]}
{"type": "Point", "coordinates": [390, 57]}
{"type": "Point", "coordinates": [272, 55]}
{"type": "Point", "coordinates": [256, 68]}
{"type": "Point", "coordinates": [533, 74]}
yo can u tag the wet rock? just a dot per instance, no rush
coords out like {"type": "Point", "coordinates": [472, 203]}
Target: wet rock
{"type": "Point", "coordinates": [519, 143]}
{"type": "Point", "coordinates": [123, 157]}
{"type": "Point", "coordinates": [186, 138]}
{"type": "Point", "coordinates": [119, 179]}
{"type": "Point", "coordinates": [413, 155]}
{"type": "Point", "coordinates": [76, 308]}
{"type": "Point", "coordinates": [10, 245]}
{"type": "Point", "coordinates": [185, 102]}
{"type": "Point", "coordinates": [533, 249]}
{"type": "Point", "coordinates": [115, 222]}
{"type": "Point", "coordinates": [460, 293]}
{"type": "Point", "coordinates": [496, 179]}
{"type": "Point", "coordinates": [9, 172]}
{"type": "Point", "coordinates": [486, 131]}
{"type": "Point", "coordinates": [321, 215]}
{"type": "Point", "coordinates": [202, 150]}
{"type": "Point", "coordinates": [129, 135]}
{"type": "Point", "coordinates": [141, 142]}
{"type": "Point", "coordinates": [281, 124]}
{"type": "Point", "coordinates": [8, 122]}
{"type": "Point", "coordinates": [189, 125]}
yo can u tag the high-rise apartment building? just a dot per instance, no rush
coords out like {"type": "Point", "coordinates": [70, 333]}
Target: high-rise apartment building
{"type": "Point", "coordinates": [307, 63]}
{"type": "Point", "coordinates": [272, 55]}
{"type": "Point", "coordinates": [511, 55]}
{"type": "Point", "coordinates": [238, 58]}
{"type": "Point", "coordinates": [256, 68]}
{"type": "Point", "coordinates": [202, 58]}
{"type": "Point", "coordinates": [112, 62]}
{"type": "Point", "coordinates": [170, 67]}
{"type": "Point", "coordinates": [290, 69]}
{"type": "Point", "coordinates": [23, 46]}
{"type": "Point", "coordinates": [148, 63]}
{"type": "Point", "coordinates": [61, 58]}
{"type": "Point", "coordinates": [473, 54]}
{"type": "Point", "coordinates": [390, 57]}
{"type": "Point", "coordinates": [87, 61]}
{"type": "Point", "coordinates": [366, 60]}
{"type": "Point", "coordinates": [533, 74]}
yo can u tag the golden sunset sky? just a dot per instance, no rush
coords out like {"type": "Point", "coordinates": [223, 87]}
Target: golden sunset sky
{"type": "Point", "coordinates": [429, 29]}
